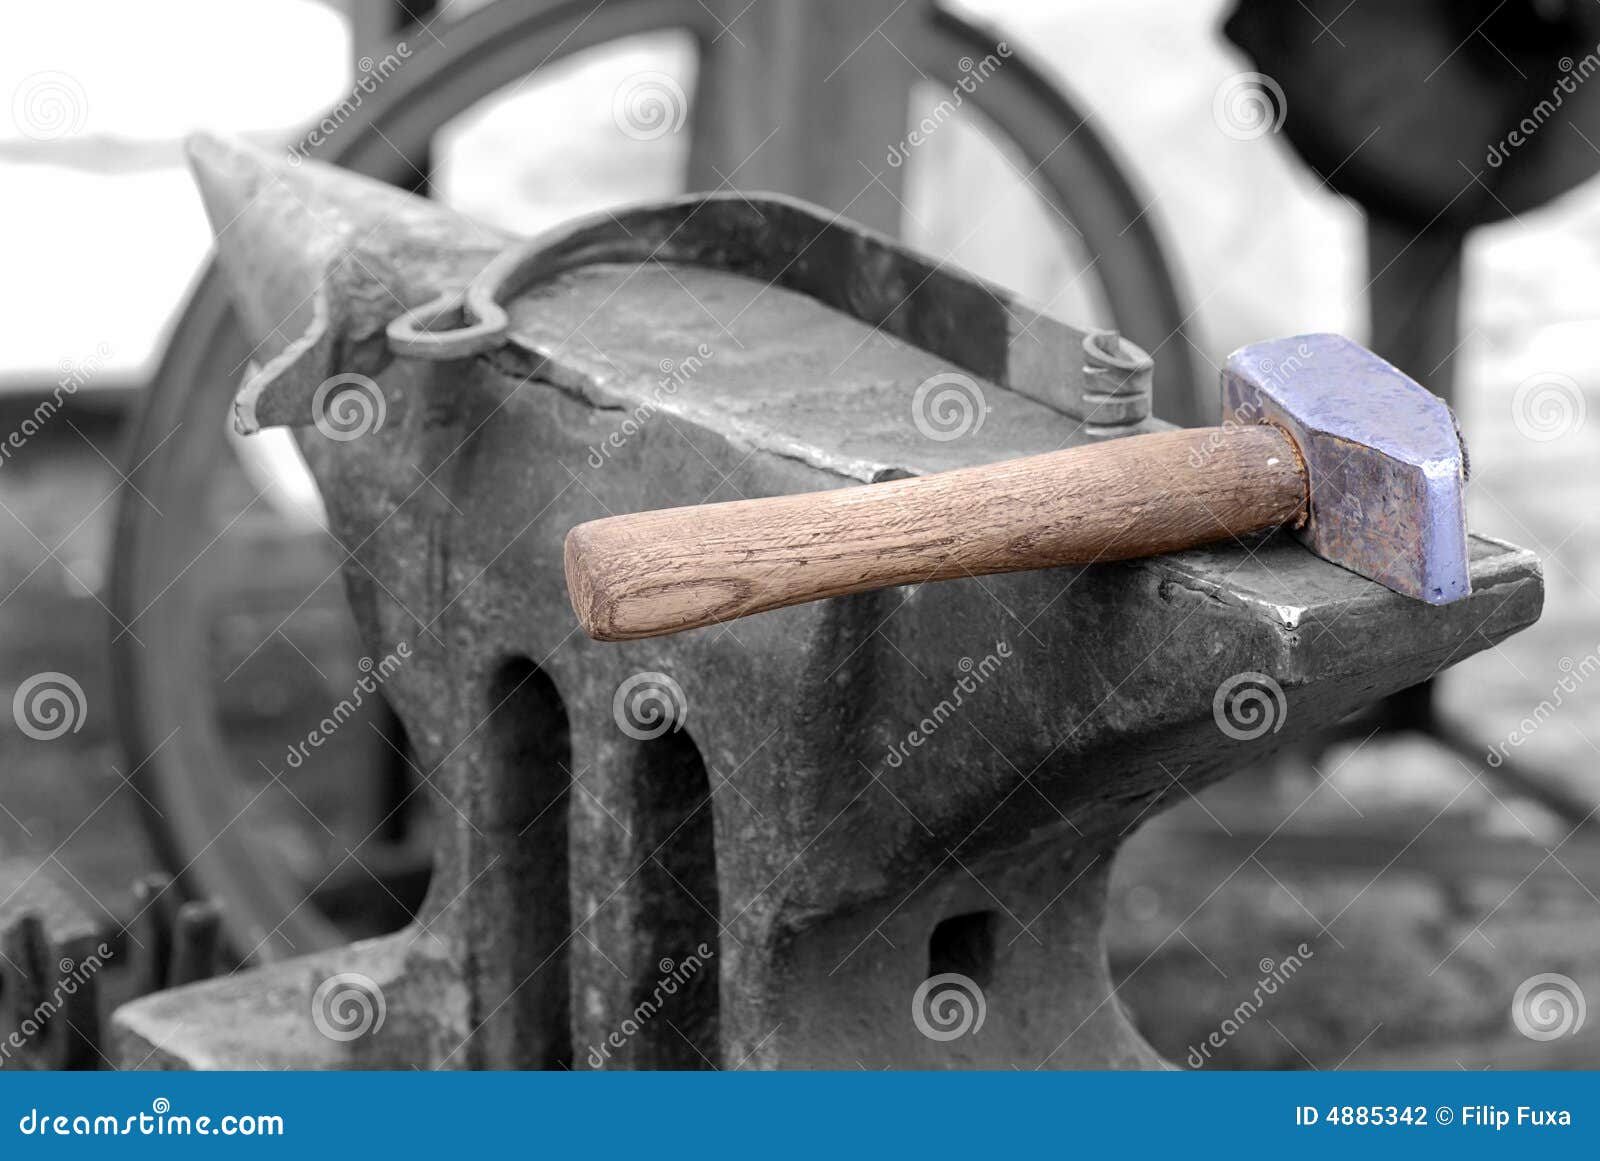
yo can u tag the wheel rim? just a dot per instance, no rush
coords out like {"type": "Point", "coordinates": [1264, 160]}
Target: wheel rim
{"type": "Point", "coordinates": [165, 707]}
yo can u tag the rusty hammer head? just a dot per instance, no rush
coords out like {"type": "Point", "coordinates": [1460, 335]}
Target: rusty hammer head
{"type": "Point", "coordinates": [1383, 458]}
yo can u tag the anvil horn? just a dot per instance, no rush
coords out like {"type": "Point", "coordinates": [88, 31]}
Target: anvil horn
{"type": "Point", "coordinates": [329, 256]}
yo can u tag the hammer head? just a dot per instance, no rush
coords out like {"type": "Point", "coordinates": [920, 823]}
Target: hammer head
{"type": "Point", "coordinates": [1382, 453]}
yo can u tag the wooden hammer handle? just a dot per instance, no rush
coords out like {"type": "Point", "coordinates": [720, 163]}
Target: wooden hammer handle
{"type": "Point", "coordinates": [650, 573]}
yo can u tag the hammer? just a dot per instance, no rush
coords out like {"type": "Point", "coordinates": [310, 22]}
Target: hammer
{"type": "Point", "coordinates": [1319, 435]}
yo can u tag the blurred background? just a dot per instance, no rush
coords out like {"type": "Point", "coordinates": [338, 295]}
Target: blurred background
{"type": "Point", "coordinates": [1430, 882]}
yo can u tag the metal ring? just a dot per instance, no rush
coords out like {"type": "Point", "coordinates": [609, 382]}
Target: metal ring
{"type": "Point", "coordinates": [414, 334]}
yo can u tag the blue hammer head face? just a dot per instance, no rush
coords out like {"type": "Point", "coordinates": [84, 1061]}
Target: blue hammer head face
{"type": "Point", "coordinates": [1382, 453]}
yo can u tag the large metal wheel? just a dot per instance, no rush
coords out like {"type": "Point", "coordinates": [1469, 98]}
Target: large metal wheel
{"type": "Point", "coordinates": [212, 588]}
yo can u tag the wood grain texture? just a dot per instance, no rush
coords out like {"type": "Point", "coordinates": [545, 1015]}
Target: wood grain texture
{"type": "Point", "coordinates": [651, 573]}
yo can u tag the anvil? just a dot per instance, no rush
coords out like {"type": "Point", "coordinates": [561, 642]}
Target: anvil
{"type": "Point", "coordinates": [819, 810]}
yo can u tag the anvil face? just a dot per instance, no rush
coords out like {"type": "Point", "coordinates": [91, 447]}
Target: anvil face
{"type": "Point", "coordinates": [1382, 454]}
